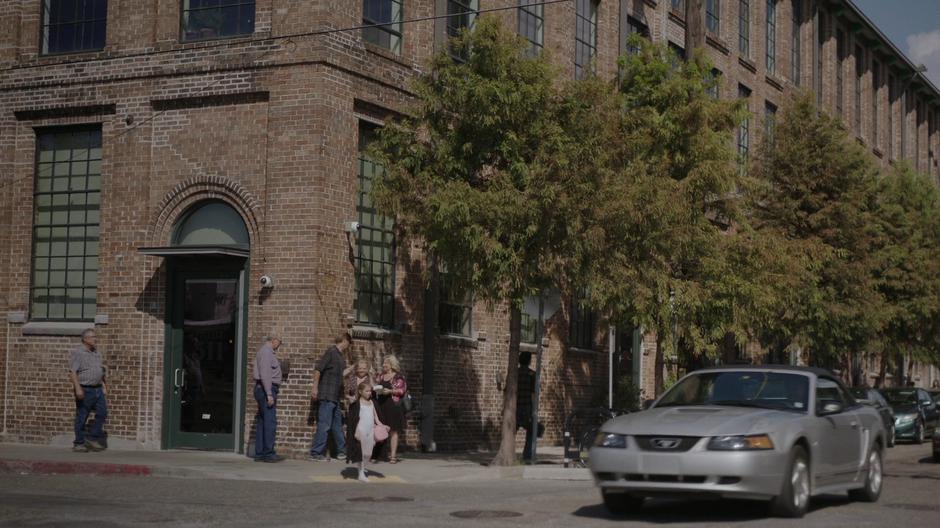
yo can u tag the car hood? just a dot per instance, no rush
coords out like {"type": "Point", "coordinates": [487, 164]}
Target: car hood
{"type": "Point", "coordinates": [700, 421]}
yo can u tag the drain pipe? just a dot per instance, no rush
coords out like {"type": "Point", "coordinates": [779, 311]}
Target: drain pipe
{"type": "Point", "coordinates": [6, 376]}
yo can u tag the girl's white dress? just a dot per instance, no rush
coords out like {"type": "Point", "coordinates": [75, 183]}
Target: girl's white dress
{"type": "Point", "coordinates": [365, 430]}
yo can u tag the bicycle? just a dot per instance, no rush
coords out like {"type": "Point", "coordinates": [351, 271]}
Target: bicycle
{"type": "Point", "coordinates": [582, 434]}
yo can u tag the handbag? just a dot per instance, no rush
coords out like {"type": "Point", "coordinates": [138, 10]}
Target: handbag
{"type": "Point", "coordinates": [407, 403]}
{"type": "Point", "coordinates": [381, 432]}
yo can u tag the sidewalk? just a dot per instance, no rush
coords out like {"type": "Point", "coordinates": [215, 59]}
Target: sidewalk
{"type": "Point", "coordinates": [423, 468]}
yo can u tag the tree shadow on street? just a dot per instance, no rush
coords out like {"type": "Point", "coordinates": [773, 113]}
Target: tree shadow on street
{"type": "Point", "coordinates": [672, 511]}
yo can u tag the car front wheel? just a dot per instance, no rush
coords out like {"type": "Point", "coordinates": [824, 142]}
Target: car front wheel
{"type": "Point", "coordinates": [621, 503]}
{"type": "Point", "coordinates": [873, 479]}
{"type": "Point", "coordinates": [919, 432]}
{"type": "Point", "coordinates": [891, 439]}
{"type": "Point", "coordinates": [793, 500]}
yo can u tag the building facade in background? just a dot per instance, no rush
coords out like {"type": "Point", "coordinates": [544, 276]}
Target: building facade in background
{"type": "Point", "coordinates": [157, 158]}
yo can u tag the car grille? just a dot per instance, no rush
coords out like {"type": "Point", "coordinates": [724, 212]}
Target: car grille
{"type": "Point", "coordinates": [675, 444]}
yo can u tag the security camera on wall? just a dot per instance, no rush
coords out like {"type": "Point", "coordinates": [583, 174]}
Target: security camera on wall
{"type": "Point", "coordinates": [267, 282]}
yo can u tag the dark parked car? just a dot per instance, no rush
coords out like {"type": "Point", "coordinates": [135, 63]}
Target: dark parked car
{"type": "Point", "coordinates": [868, 396]}
{"type": "Point", "coordinates": [915, 413]}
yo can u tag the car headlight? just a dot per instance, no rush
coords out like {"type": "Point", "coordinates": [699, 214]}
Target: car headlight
{"type": "Point", "coordinates": [740, 443]}
{"type": "Point", "coordinates": [906, 418]}
{"type": "Point", "coordinates": [610, 440]}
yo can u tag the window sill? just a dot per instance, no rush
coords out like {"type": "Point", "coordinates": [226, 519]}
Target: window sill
{"type": "Point", "coordinates": [580, 350]}
{"type": "Point", "coordinates": [385, 53]}
{"type": "Point", "coordinates": [460, 340]}
{"type": "Point", "coordinates": [56, 328]}
{"type": "Point", "coordinates": [748, 64]}
{"type": "Point", "coordinates": [716, 42]}
{"type": "Point", "coordinates": [774, 81]}
{"type": "Point", "coordinates": [374, 333]}
{"type": "Point", "coordinates": [877, 151]}
{"type": "Point", "coordinates": [677, 17]}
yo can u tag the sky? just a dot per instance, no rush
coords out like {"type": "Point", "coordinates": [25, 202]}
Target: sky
{"type": "Point", "coordinates": [913, 26]}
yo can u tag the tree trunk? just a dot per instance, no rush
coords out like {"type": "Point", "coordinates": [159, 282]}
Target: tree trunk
{"type": "Point", "coordinates": [506, 456]}
{"type": "Point", "coordinates": [882, 371]}
{"type": "Point", "coordinates": [660, 363]}
{"type": "Point", "coordinates": [694, 27]}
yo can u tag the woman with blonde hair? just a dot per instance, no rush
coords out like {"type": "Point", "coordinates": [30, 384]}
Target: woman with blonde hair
{"type": "Point", "coordinates": [390, 389]}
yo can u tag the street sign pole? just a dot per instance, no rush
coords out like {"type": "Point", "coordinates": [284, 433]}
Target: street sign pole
{"type": "Point", "coordinates": [538, 376]}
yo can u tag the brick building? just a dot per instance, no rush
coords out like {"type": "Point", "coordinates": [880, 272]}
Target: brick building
{"type": "Point", "coordinates": [157, 158]}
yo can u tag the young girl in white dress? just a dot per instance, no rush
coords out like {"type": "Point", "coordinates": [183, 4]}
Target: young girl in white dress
{"type": "Point", "coordinates": [365, 428]}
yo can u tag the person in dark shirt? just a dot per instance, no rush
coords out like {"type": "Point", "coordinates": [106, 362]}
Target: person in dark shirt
{"type": "Point", "coordinates": [526, 388]}
{"type": "Point", "coordinates": [328, 389]}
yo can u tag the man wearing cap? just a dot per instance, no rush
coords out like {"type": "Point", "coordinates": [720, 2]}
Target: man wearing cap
{"type": "Point", "coordinates": [86, 373]}
{"type": "Point", "coordinates": [267, 376]}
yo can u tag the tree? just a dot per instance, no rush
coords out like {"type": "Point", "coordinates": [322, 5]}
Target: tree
{"type": "Point", "coordinates": [487, 170]}
{"type": "Point", "coordinates": [908, 269]}
{"type": "Point", "coordinates": [816, 192]}
{"type": "Point", "coordinates": [676, 255]}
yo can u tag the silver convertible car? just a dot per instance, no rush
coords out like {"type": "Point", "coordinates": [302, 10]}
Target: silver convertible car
{"type": "Point", "coordinates": [773, 433]}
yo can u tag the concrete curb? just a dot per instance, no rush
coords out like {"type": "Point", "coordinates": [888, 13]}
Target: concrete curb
{"type": "Point", "coordinates": [556, 473]}
{"type": "Point", "coordinates": [49, 467]}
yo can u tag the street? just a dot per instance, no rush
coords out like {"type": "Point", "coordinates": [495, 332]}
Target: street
{"type": "Point", "coordinates": [911, 498]}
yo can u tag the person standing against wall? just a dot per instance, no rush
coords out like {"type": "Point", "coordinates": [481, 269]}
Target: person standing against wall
{"type": "Point", "coordinates": [267, 376]}
{"type": "Point", "coordinates": [86, 372]}
{"type": "Point", "coordinates": [328, 390]}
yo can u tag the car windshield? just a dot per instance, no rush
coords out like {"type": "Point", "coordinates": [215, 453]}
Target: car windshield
{"type": "Point", "coordinates": [769, 390]}
{"type": "Point", "coordinates": [900, 397]}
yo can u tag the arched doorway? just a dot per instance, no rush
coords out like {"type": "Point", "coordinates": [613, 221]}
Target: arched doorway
{"type": "Point", "coordinates": [205, 320]}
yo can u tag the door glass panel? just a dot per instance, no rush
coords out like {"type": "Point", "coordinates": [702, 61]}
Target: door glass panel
{"type": "Point", "coordinates": [208, 366]}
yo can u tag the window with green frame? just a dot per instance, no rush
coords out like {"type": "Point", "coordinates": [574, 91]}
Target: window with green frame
{"type": "Point", "coordinates": [455, 309]}
{"type": "Point", "coordinates": [66, 224]}
{"type": "Point", "coordinates": [582, 326]}
{"type": "Point", "coordinates": [375, 246]}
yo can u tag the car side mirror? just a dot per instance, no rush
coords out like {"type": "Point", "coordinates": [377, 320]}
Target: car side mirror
{"type": "Point", "coordinates": [830, 408]}
{"type": "Point", "coordinates": [647, 404]}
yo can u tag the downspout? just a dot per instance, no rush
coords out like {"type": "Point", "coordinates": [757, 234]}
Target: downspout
{"type": "Point", "coordinates": [6, 378]}
{"type": "Point", "coordinates": [431, 295]}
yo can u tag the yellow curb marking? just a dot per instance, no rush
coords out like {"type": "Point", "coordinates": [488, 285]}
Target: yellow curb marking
{"type": "Point", "coordinates": [334, 479]}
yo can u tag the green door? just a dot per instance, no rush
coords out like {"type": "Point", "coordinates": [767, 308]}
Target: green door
{"type": "Point", "coordinates": [204, 359]}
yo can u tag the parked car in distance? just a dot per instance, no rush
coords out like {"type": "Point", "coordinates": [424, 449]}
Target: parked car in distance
{"type": "Point", "coordinates": [869, 396]}
{"type": "Point", "coordinates": [915, 413]}
{"type": "Point", "coordinates": [776, 433]}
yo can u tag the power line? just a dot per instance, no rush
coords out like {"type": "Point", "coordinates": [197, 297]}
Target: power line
{"type": "Point", "coordinates": [285, 38]}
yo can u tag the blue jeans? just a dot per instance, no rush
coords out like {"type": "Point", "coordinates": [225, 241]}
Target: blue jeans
{"type": "Point", "coordinates": [329, 418]}
{"type": "Point", "coordinates": [94, 400]}
{"type": "Point", "coordinates": [266, 420]}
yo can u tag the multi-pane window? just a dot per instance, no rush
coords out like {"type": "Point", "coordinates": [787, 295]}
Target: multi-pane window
{"type": "Point", "coordinates": [582, 326]}
{"type": "Point", "coordinates": [585, 37]}
{"type": "Point", "coordinates": [678, 54]}
{"type": "Point", "coordinates": [771, 36]}
{"type": "Point", "coordinates": [635, 26]}
{"type": "Point", "coordinates": [455, 310]}
{"type": "Point", "coordinates": [859, 71]}
{"type": "Point", "coordinates": [905, 118]}
{"type": "Point", "coordinates": [66, 224]}
{"type": "Point", "coordinates": [892, 99]}
{"type": "Point", "coordinates": [820, 23]}
{"type": "Point", "coordinates": [744, 27]}
{"type": "Point", "coordinates": [375, 245]}
{"type": "Point", "coordinates": [678, 6]}
{"type": "Point", "coordinates": [208, 19]}
{"type": "Point", "coordinates": [461, 15]}
{"type": "Point", "coordinates": [714, 82]}
{"type": "Point", "coordinates": [875, 107]}
{"type": "Point", "coordinates": [744, 130]}
{"type": "Point", "coordinates": [532, 24]}
{"type": "Point", "coordinates": [840, 66]}
{"type": "Point", "coordinates": [69, 26]}
{"type": "Point", "coordinates": [384, 17]}
{"type": "Point", "coordinates": [770, 121]}
{"type": "Point", "coordinates": [712, 16]}
{"type": "Point", "coordinates": [795, 48]}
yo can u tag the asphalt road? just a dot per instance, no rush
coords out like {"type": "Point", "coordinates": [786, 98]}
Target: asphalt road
{"type": "Point", "coordinates": [911, 498]}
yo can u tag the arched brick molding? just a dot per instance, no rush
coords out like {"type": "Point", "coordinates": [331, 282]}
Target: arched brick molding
{"type": "Point", "coordinates": [197, 189]}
